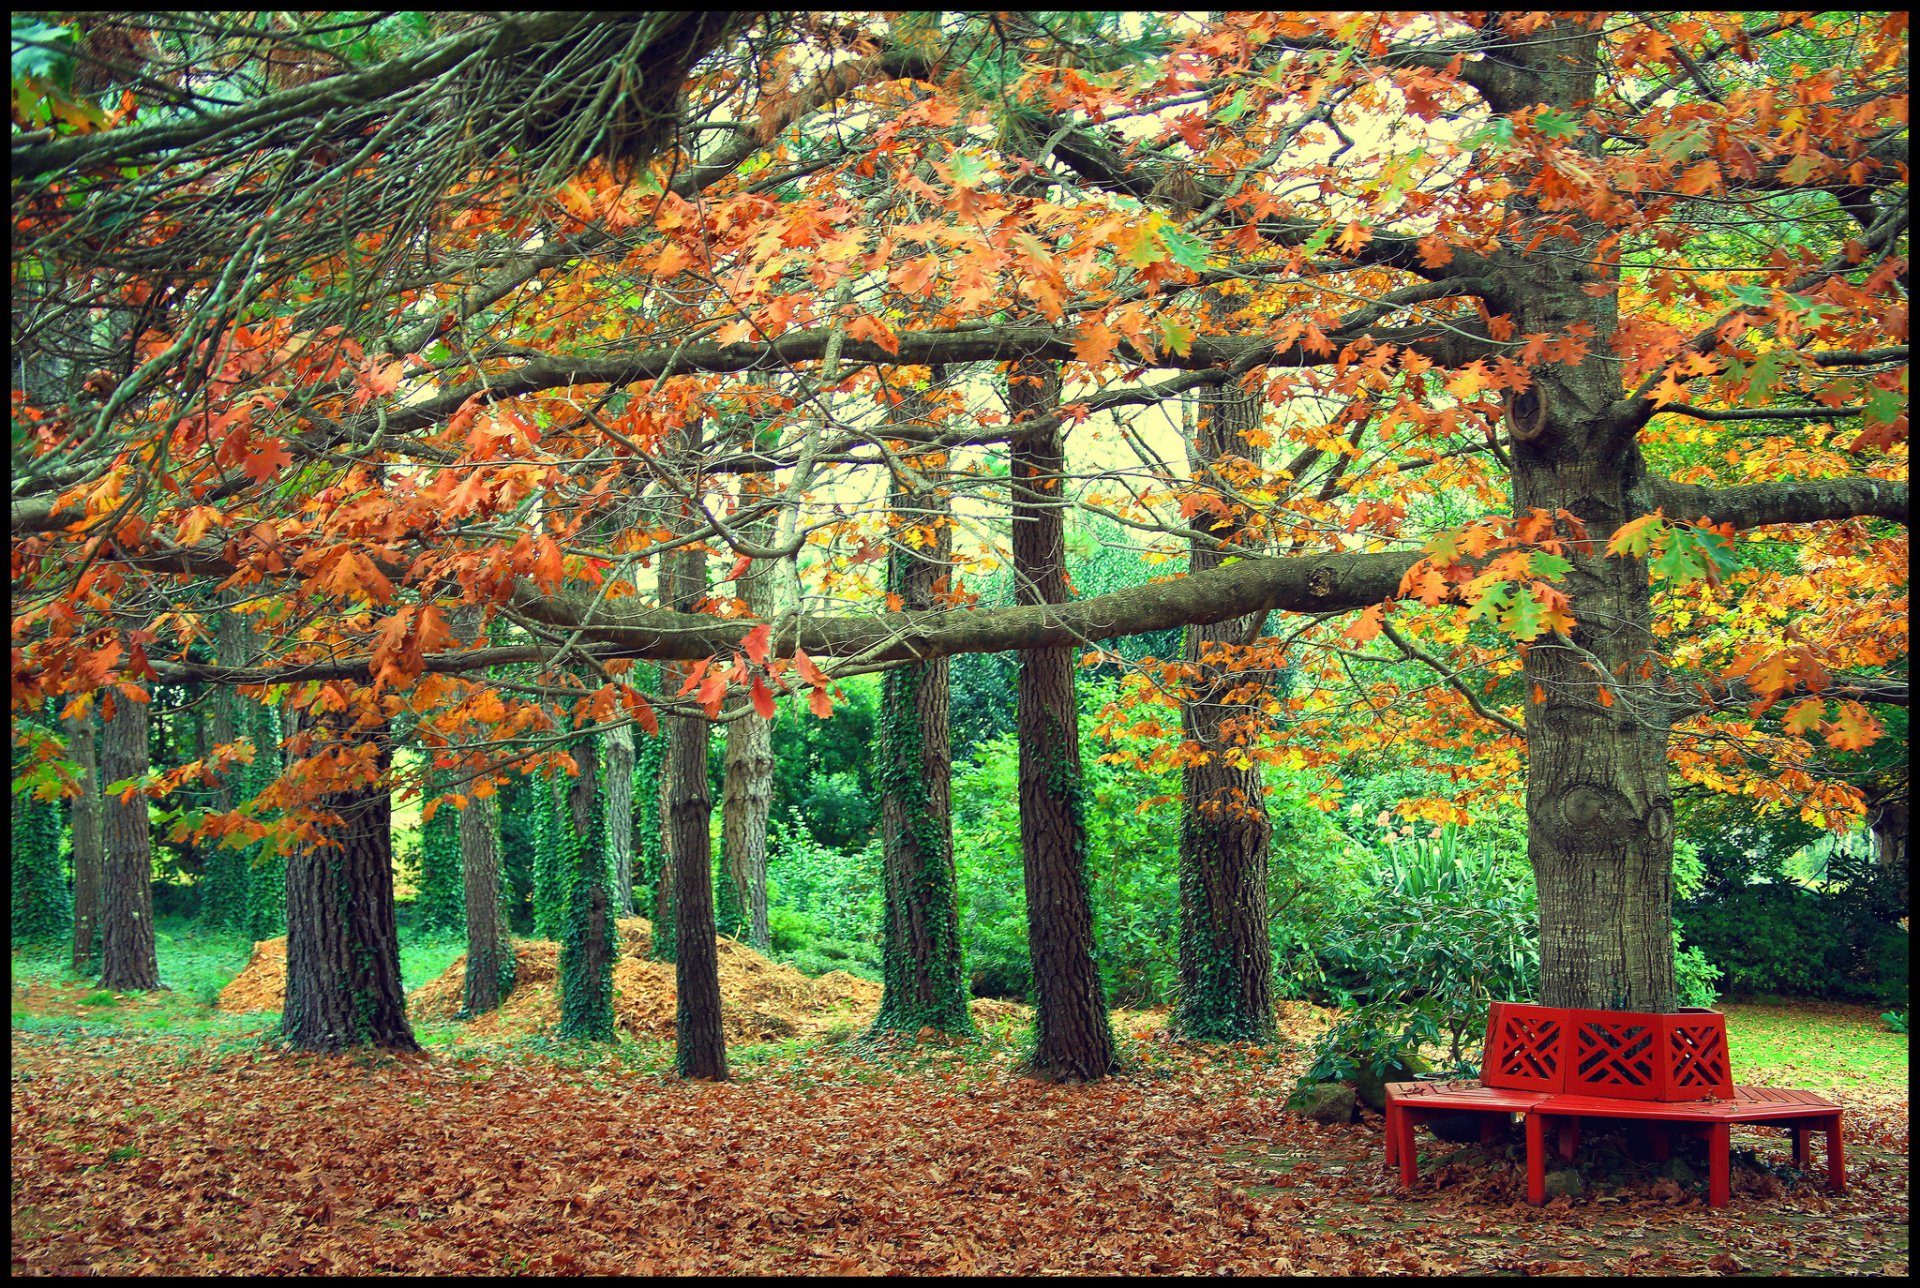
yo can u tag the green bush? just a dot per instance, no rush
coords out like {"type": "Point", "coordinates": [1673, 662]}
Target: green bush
{"type": "Point", "coordinates": [1417, 948]}
{"type": "Point", "coordinates": [823, 906]}
{"type": "Point", "coordinates": [1133, 861]}
{"type": "Point", "coordinates": [1783, 938]}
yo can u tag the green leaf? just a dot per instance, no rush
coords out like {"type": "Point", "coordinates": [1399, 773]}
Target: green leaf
{"type": "Point", "coordinates": [1525, 620]}
{"type": "Point", "coordinates": [1556, 124]}
{"type": "Point", "coordinates": [1187, 250]}
{"type": "Point", "coordinates": [1178, 336]}
{"type": "Point", "coordinates": [1498, 133]}
{"type": "Point", "coordinates": [34, 60]}
{"type": "Point", "coordinates": [1883, 406]}
{"type": "Point", "coordinates": [1234, 110]}
{"type": "Point", "coordinates": [1550, 567]}
{"type": "Point", "coordinates": [966, 169]}
{"type": "Point", "coordinates": [1494, 600]}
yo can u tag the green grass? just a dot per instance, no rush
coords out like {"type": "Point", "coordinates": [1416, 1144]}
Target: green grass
{"type": "Point", "coordinates": [425, 958]}
{"type": "Point", "coordinates": [1800, 1043]}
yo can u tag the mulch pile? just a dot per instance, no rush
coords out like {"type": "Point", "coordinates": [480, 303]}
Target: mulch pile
{"type": "Point", "coordinates": [262, 986]}
{"type": "Point", "coordinates": [761, 1000]}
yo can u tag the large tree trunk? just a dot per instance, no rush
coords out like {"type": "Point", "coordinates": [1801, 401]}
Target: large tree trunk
{"type": "Point", "coordinates": [925, 983]}
{"type": "Point", "coordinates": [343, 948]}
{"type": "Point", "coordinates": [1886, 817]}
{"type": "Point", "coordinates": [87, 856]}
{"type": "Point", "coordinates": [1226, 963]}
{"type": "Point", "coordinates": [1599, 811]}
{"type": "Point", "coordinates": [620, 816]}
{"type": "Point", "coordinates": [127, 958]}
{"type": "Point", "coordinates": [1075, 1040]}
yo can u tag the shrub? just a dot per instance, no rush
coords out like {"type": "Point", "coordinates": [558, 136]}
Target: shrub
{"type": "Point", "coordinates": [1783, 938]}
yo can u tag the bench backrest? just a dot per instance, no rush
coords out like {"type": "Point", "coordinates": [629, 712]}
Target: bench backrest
{"type": "Point", "coordinates": [1630, 1055]}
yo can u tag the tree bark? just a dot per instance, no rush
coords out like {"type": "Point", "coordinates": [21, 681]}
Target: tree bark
{"type": "Point", "coordinates": [223, 897]}
{"type": "Point", "coordinates": [700, 1044]}
{"type": "Point", "coordinates": [1075, 1040]}
{"type": "Point", "coordinates": [343, 946]}
{"type": "Point", "coordinates": [746, 797]}
{"type": "Point", "coordinates": [662, 948]}
{"type": "Point", "coordinates": [127, 959]}
{"type": "Point", "coordinates": [87, 856]}
{"type": "Point", "coordinates": [1887, 819]}
{"type": "Point", "coordinates": [1225, 959]}
{"type": "Point", "coordinates": [1599, 809]}
{"type": "Point", "coordinates": [490, 957]}
{"type": "Point", "coordinates": [586, 951]}
{"type": "Point", "coordinates": [925, 982]}
{"type": "Point", "coordinates": [700, 1049]}
{"type": "Point", "coordinates": [620, 816]}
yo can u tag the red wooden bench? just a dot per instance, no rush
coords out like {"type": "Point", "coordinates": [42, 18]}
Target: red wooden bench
{"type": "Point", "coordinates": [1559, 1066]}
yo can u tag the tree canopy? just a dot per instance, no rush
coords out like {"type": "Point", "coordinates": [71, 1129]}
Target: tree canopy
{"type": "Point", "coordinates": [1580, 344]}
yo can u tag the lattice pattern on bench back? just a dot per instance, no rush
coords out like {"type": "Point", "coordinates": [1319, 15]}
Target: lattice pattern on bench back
{"type": "Point", "coordinates": [1698, 1066]}
{"type": "Point", "coordinates": [1524, 1047]}
{"type": "Point", "coordinates": [1615, 1053]}
{"type": "Point", "coordinates": [1630, 1055]}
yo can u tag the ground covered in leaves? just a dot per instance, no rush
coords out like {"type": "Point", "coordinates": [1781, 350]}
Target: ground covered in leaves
{"type": "Point", "coordinates": [141, 1151]}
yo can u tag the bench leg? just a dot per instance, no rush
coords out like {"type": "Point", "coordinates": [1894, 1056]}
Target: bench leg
{"type": "Point", "coordinates": [1536, 1159]}
{"type": "Point", "coordinates": [1836, 1156]}
{"type": "Point", "coordinates": [1403, 1145]}
{"type": "Point", "coordinates": [1661, 1142]}
{"type": "Point", "coordinates": [1569, 1138]}
{"type": "Point", "coordinates": [1717, 1145]}
{"type": "Point", "coordinates": [1490, 1125]}
{"type": "Point", "coordinates": [1802, 1147]}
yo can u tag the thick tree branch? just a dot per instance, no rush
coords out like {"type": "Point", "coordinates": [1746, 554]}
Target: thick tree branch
{"type": "Point", "coordinates": [1792, 501]}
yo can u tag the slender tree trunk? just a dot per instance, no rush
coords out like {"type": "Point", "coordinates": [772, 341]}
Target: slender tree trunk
{"type": "Point", "coordinates": [700, 1049]}
{"type": "Point", "coordinates": [662, 948]}
{"type": "Point", "coordinates": [87, 855]}
{"type": "Point", "coordinates": [1226, 962]}
{"type": "Point", "coordinates": [266, 877]}
{"type": "Point", "coordinates": [126, 890]}
{"type": "Point", "coordinates": [620, 816]}
{"type": "Point", "coordinates": [925, 982]}
{"type": "Point", "coordinates": [490, 957]}
{"type": "Point", "coordinates": [1075, 1040]}
{"type": "Point", "coordinates": [223, 882]}
{"type": "Point", "coordinates": [343, 947]}
{"type": "Point", "coordinates": [1599, 808]}
{"type": "Point", "coordinates": [746, 796]}
{"type": "Point", "coordinates": [586, 952]}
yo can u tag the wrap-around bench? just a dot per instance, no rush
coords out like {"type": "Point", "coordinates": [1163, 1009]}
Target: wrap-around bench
{"type": "Point", "coordinates": [1560, 1066]}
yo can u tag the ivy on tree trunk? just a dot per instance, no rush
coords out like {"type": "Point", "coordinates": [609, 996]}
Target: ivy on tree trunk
{"type": "Point", "coordinates": [925, 982]}
{"type": "Point", "coordinates": [1225, 959]}
{"type": "Point", "coordinates": [586, 954]}
{"type": "Point", "coordinates": [88, 855]}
